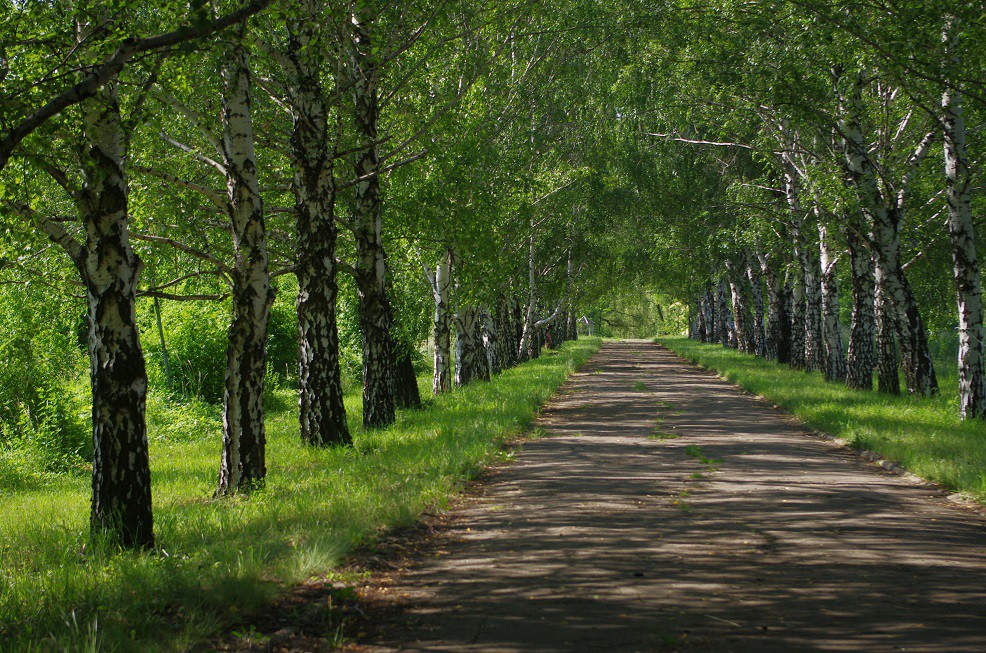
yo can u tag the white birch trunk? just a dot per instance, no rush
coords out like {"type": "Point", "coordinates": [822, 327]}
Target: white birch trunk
{"type": "Point", "coordinates": [775, 310]}
{"type": "Point", "coordinates": [798, 333]}
{"type": "Point", "coordinates": [885, 216]}
{"type": "Point", "coordinates": [861, 358]}
{"type": "Point", "coordinates": [525, 346]}
{"type": "Point", "coordinates": [968, 283]}
{"type": "Point", "coordinates": [371, 263]}
{"type": "Point", "coordinates": [322, 413]}
{"type": "Point", "coordinates": [723, 319]}
{"type": "Point", "coordinates": [492, 342]}
{"type": "Point", "coordinates": [470, 355]}
{"type": "Point", "coordinates": [510, 329]}
{"type": "Point", "coordinates": [887, 377]}
{"type": "Point", "coordinates": [756, 293]}
{"type": "Point", "coordinates": [740, 312]}
{"type": "Point", "coordinates": [441, 283]}
{"type": "Point", "coordinates": [834, 365]}
{"type": "Point", "coordinates": [244, 438]}
{"type": "Point", "coordinates": [814, 341]}
{"type": "Point", "coordinates": [110, 270]}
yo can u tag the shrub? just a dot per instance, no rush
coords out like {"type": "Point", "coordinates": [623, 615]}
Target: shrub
{"type": "Point", "coordinates": [196, 338]}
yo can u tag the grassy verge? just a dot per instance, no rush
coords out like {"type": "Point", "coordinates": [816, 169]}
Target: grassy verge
{"type": "Point", "coordinates": [219, 558]}
{"type": "Point", "coordinates": [923, 435]}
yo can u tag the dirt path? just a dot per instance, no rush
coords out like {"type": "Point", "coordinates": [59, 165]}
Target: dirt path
{"type": "Point", "coordinates": [740, 534]}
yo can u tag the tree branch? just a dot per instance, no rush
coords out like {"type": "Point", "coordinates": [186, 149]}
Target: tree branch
{"type": "Point", "coordinates": [182, 247]}
{"type": "Point", "coordinates": [694, 141]}
{"type": "Point", "coordinates": [111, 67]}
{"type": "Point", "coordinates": [195, 153]}
{"type": "Point", "coordinates": [50, 227]}
{"type": "Point", "coordinates": [209, 193]}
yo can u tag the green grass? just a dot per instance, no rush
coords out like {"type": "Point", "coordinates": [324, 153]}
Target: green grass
{"type": "Point", "coordinates": [217, 559]}
{"type": "Point", "coordinates": [711, 464]}
{"type": "Point", "coordinates": [923, 435]}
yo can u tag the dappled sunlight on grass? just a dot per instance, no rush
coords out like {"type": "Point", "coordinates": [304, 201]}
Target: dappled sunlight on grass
{"type": "Point", "coordinates": [219, 558]}
{"type": "Point", "coordinates": [923, 435]}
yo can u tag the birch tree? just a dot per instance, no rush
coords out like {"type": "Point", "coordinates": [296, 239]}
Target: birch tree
{"type": "Point", "coordinates": [962, 236]}
{"type": "Point", "coordinates": [883, 207]}
{"type": "Point", "coordinates": [244, 437]}
{"type": "Point", "coordinates": [321, 410]}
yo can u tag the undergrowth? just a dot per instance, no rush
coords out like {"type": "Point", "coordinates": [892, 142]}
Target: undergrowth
{"type": "Point", "coordinates": [218, 558]}
{"type": "Point", "coordinates": [923, 435]}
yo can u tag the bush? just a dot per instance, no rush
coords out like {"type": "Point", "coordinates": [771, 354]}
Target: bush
{"type": "Point", "coordinates": [51, 440]}
{"type": "Point", "coordinates": [196, 338]}
{"type": "Point", "coordinates": [195, 335]}
{"type": "Point", "coordinates": [44, 402]}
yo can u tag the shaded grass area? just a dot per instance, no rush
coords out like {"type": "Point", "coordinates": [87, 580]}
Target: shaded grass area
{"type": "Point", "coordinates": [924, 435]}
{"type": "Point", "coordinates": [217, 559]}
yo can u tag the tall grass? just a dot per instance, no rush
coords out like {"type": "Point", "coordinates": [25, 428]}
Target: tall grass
{"type": "Point", "coordinates": [217, 558]}
{"type": "Point", "coordinates": [923, 435]}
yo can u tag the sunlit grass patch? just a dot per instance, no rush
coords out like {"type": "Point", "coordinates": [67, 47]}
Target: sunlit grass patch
{"type": "Point", "coordinates": [923, 435]}
{"type": "Point", "coordinates": [217, 560]}
{"type": "Point", "coordinates": [694, 451]}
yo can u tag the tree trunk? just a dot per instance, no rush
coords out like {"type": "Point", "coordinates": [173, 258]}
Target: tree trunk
{"type": "Point", "coordinates": [885, 215]}
{"type": "Point", "coordinates": [756, 292]}
{"type": "Point", "coordinates": [711, 316]}
{"type": "Point", "coordinates": [860, 361]}
{"type": "Point", "coordinates": [799, 340]}
{"type": "Point", "coordinates": [572, 326]}
{"type": "Point", "coordinates": [470, 356]}
{"type": "Point", "coordinates": [796, 356]}
{"type": "Point", "coordinates": [723, 328]}
{"type": "Point", "coordinates": [784, 323]}
{"type": "Point", "coordinates": [441, 282]}
{"type": "Point", "coordinates": [517, 322]}
{"type": "Point", "coordinates": [371, 264]}
{"type": "Point", "coordinates": [537, 341]}
{"type": "Point", "coordinates": [244, 439]}
{"type": "Point", "coordinates": [740, 311]}
{"type": "Point", "coordinates": [814, 342]}
{"type": "Point", "coordinates": [775, 309]}
{"type": "Point", "coordinates": [701, 326]}
{"type": "Point", "coordinates": [322, 414]}
{"type": "Point", "coordinates": [165, 359]}
{"type": "Point", "coordinates": [526, 346]}
{"type": "Point", "coordinates": [110, 270]}
{"type": "Point", "coordinates": [492, 342]}
{"type": "Point", "coordinates": [968, 284]}
{"type": "Point", "coordinates": [834, 364]}
{"type": "Point", "coordinates": [888, 380]}
{"type": "Point", "coordinates": [506, 334]}
{"type": "Point", "coordinates": [406, 393]}
{"type": "Point", "coordinates": [561, 333]}
{"type": "Point", "coordinates": [919, 371]}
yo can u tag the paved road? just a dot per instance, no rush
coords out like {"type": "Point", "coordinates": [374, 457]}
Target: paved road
{"type": "Point", "coordinates": [740, 533]}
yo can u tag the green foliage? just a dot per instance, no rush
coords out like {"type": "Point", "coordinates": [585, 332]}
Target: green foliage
{"type": "Point", "coordinates": [629, 312]}
{"type": "Point", "coordinates": [44, 411]}
{"type": "Point", "coordinates": [218, 559]}
{"type": "Point", "coordinates": [195, 334]}
{"type": "Point", "coordinates": [196, 338]}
